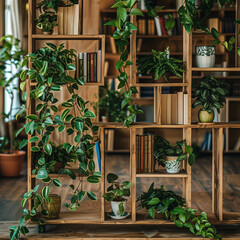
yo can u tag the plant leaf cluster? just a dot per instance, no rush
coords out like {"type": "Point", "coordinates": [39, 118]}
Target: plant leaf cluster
{"type": "Point", "coordinates": [55, 4]}
{"type": "Point", "coordinates": [159, 63]}
{"type": "Point", "coordinates": [210, 93]}
{"type": "Point", "coordinates": [163, 148]}
{"type": "Point", "coordinates": [47, 21]}
{"type": "Point", "coordinates": [172, 207]}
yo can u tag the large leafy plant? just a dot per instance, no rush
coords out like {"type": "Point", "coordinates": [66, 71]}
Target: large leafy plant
{"type": "Point", "coordinates": [116, 191]}
{"type": "Point", "coordinates": [47, 21]}
{"type": "Point", "coordinates": [48, 74]}
{"type": "Point", "coordinates": [11, 55]}
{"type": "Point", "coordinates": [110, 104]}
{"type": "Point", "coordinates": [191, 19]}
{"type": "Point", "coordinates": [172, 207]}
{"type": "Point", "coordinates": [55, 4]}
{"type": "Point", "coordinates": [159, 63]}
{"type": "Point", "coordinates": [163, 148]}
{"type": "Point", "coordinates": [210, 93]}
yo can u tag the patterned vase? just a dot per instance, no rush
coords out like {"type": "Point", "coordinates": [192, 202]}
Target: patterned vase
{"type": "Point", "coordinates": [205, 56]}
{"type": "Point", "coordinates": [115, 207]}
{"type": "Point", "coordinates": [53, 208]}
{"type": "Point", "coordinates": [172, 165]}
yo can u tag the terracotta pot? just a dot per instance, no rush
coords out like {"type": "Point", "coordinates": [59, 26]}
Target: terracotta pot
{"type": "Point", "coordinates": [11, 164]}
{"type": "Point", "coordinates": [57, 166]}
{"type": "Point", "coordinates": [161, 79]}
{"type": "Point", "coordinates": [53, 208]}
{"type": "Point", "coordinates": [205, 117]}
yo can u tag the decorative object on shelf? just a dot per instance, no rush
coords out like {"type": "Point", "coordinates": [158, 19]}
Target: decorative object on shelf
{"type": "Point", "coordinates": [113, 216]}
{"type": "Point", "coordinates": [46, 22]}
{"type": "Point", "coordinates": [51, 67]}
{"type": "Point", "coordinates": [210, 94]}
{"type": "Point", "coordinates": [52, 207]}
{"type": "Point", "coordinates": [116, 194]}
{"type": "Point", "coordinates": [190, 19]}
{"type": "Point", "coordinates": [171, 207]}
{"type": "Point", "coordinates": [104, 119]}
{"type": "Point", "coordinates": [55, 4]}
{"type": "Point", "coordinates": [110, 104]}
{"type": "Point", "coordinates": [160, 65]}
{"type": "Point", "coordinates": [205, 56]}
{"type": "Point", "coordinates": [58, 160]}
{"type": "Point", "coordinates": [11, 160]}
{"type": "Point", "coordinates": [171, 155]}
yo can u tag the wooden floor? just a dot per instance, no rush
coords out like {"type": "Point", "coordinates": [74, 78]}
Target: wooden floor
{"type": "Point", "coordinates": [11, 190]}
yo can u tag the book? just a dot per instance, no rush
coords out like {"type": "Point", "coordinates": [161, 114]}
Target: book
{"type": "Point", "coordinates": [75, 19]}
{"type": "Point", "coordinates": [110, 140]}
{"type": "Point", "coordinates": [149, 136]}
{"type": "Point", "coordinates": [141, 153]}
{"type": "Point", "coordinates": [145, 153]}
{"type": "Point", "coordinates": [169, 109]}
{"type": "Point", "coordinates": [113, 45]}
{"type": "Point", "coordinates": [106, 65]}
{"type": "Point", "coordinates": [88, 67]}
{"type": "Point", "coordinates": [180, 107]}
{"type": "Point", "coordinates": [174, 108]}
{"type": "Point", "coordinates": [85, 67]}
{"type": "Point", "coordinates": [162, 22]}
{"type": "Point", "coordinates": [152, 157]}
{"type": "Point", "coordinates": [99, 66]}
{"type": "Point", "coordinates": [60, 20]}
{"type": "Point", "coordinates": [164, 109]}
{"type": "Point", "coordinates": [139, 44]}
{"type": "Point", "coordinates": [91, 78]}
{"type": "Point", "coordinates": [158, 26]}
{"type": "Point", "coordinates": [95, 66]}
{"type": "Point", "coordinates": [137, 154]}
{"type": "Point", "coordinates": [209, 142]}
{"type": "Point", "coordinates": [185, 108]}
{"type": "Point", "coordinates": [80, 64]}
{"type": "Point", "coordinates": [98, 162]}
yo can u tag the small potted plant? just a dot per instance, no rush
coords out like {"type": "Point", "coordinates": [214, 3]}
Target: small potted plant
{"type": "Point", "coordinates": [160, 65]}
{"type": "Point", "coordinates": [116, 194]}
{"type": "Point", "coordinates": [171, 156]}
{"type": "Point", "coordinates": [205, 56]}
{"type": "Point", "coordinates": [210, 94]}
{"type": "Point", "coordinates": [51, 208]}
{"type": "Point", "coordinates": [110, 105]}
{"type": "Point", "coordinates": [11, 159]}
{"type": "Point", "coordinates": [47, 21]}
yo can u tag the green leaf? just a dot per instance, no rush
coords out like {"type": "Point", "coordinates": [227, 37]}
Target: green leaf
{"type": "Point", "coordinates": [154, 201]}
{"type": "Point", "coordinates": [32, 117]}
{"type": "Point", "coordinates": [35, 149]}
{"type": "Point", "coordinates": [42, 174]}
{"type": "Point", "coordinates": [89, 114]}
{"type": "Point", "coordinates": [119, 64]}
{"type": "Point", "coordinates": [54, 108]}
{"type": "Point", "coordinates": [71, 67]}
{"type": "Point", "coordinates": [91, 195]}
{"type": "Point", "coordinates": [61, 129]}
{"type": "Point", "coordinates": [81, 196]}
{"type": "Point", "coordinates": [91, 166]}
{"type": "Point", "coordinates": [55, 88]}
{"type": "Point", "coordinates": [111, 177]}
{"type": "Point", "coordinates": [215, 33]}
{"type": "Point", "coordinates": [151, 212]}
{"type": "Point", "coordinates": [121, 209]}
{"type": "Point", "coordinates": [78, 125]}
{"type": "Point", "coordinates": [48, 149]}
{"type": "Point", "coordinates": [93, 179]}
{"type": "Point", "coordinates": [33, 139]}
{"type": "Point", "coordinates": [64, 114]}
{"type": "Point", "coordinates": [122, 13]}
{"type": "Point", "coordinates": [136, 11]}
{"type": "Point", "coordinates": [191, 159]}
{"type": "Point", "coordinates": [57, 182]}
{"type": "Point", "coordinates": [23, 143]}
{"type": "Point", "coordinates": [41, 161]}
{"type": "Point", "coordinates": [45, 192]}
{"type": "Point", "coordinates": [182, 217]}
{"type": "Point", "coordinates": [23, 74]}
{"type": "Point", "coordinates": [111, 23]}
{"type": "Point", "coordinates": [178, 223]}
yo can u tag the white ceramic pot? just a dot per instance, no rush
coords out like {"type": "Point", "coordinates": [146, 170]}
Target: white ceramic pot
{"type": "Point", "coordinates": [115, 207]}
{"type": "Point", "coordinates": [172, 165]}
{"type": "Point", "coordinates": [205, 56]}
{"type": "Point", "coordinates": [104, 119]}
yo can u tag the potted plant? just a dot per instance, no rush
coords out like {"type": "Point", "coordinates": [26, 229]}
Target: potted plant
{"type": "Point", "coordinates": [205, 56]}
{"type": "Point", "coordinates": [210, 94]}
{"type": "Point", "coordinates": [11, 159]}
{"type": "Point", "coordinates": [51, 208]}
{"type": "Point", "coordinates": [55, 4]}
{"type": "Point", "coordinates": [110, 105]}
{"type": "Point", "coordinates": [160, 65]}
{"type": "Point", "coordinates": [172, 207]}
{"type": "Point", "coordinates": [171, 156]}
{"type": "Point", "coordinates": [116, 194]}
{"type": "Point", "coordinates": [58, 160]}
{"type": "Point", "coordinates": [47, 21]}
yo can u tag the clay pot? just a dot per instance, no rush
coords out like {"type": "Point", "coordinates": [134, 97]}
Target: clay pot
{"type": "Point", "coordinates": [53, 208]}
{"type": "Point", "coordinates": [205, 117]}
{"type": "Point", "coordinates": [11, 164]}
{"type": "Point", "coordinates": [161, 79]}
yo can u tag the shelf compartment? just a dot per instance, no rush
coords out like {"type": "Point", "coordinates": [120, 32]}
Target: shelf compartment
{"type": "Point", "coordinates": [163, 174]}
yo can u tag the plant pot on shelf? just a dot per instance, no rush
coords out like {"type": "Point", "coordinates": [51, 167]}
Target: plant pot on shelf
{"type": "Point", "coordinates": [47, 33]}
{"type": "Point", "coordinates": [53, 208]}
{"type": "Point", "coordinates": [57, 166]}
{"type": "Point", "coordinates": [104, 119]}
{"type": "Point", "coordinates": [205, 117]}
{"type": "Point", "coordinates": [172, 164]}
{"type": "Point", "coordinates": [11, 164]}
{"type": "Point", "coordinates": [115, 207]}
{"type": "Point", "coordinates": [161, 79]}
{"type": "Point", "coordinates": [205, 56]}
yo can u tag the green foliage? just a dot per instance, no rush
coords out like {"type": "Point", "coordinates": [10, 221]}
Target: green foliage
{"type": "Point", "coordinates": [163, 148]}
{"type": "Point", "coordinates": [210, 93]}
{"type": "Point", "coordinates": [110, 104]}
{"type": "Point", "coordinates": [55, 4]}
{"type": "Point", "coordinates": [117, 191]}
{"type": "Point", "coordinates": [172, 207]}
{"type": "Point", "coordinates": [159, 63]}
{"type": "Point", "coordinates": [47, 21]}
{"type": "Point", "coordinates": [191, 19]}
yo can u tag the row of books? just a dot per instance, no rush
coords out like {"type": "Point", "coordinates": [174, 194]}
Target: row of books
{"type": "Point", "coordinates": [90, 66]}
{"type": "Point", "coordinates": [70, 19]}
{"type": "Point", "coordinates": [174, 108]}
{"type": "Point", "coordinates": [97, 157]}
{"type": "Point", "coordinates": [157, 26]}
{"type": "Point", "coordinates": [145, 153]}
{"type": "Point", "coordinates": [228, 25]}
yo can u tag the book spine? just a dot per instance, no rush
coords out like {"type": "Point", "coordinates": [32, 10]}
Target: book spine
{"type": "Point", "coordinates": [145, 153]}
{"type": "Point", "coordinates": [88, 67]}
{"type": "Point", "coordinates": [152, 157]}
{"type": "Point", "coordinates": [80, 64]}
{"type": "Point", "coordinates": [95, 66]}
{"type": "Point", "coordinates": [99, 66]}
{"type": "Point", "coordinates": [141, 153]}
{"type": "Point", "coordinates": [149, 153]}
{"type": "Point", "coordinates": [91, 67]}
{"type": "Point", "coordinates": [98, 155]}
{"type": "Point", "coordinates": [137, 154]}
{"type": "Point", "coordinates": [164, 31]}
{"type": "Point", "coordinates": [85, 72]}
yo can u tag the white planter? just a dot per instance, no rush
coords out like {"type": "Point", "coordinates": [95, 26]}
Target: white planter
{"type": "Point", "coordinates": [115, 207]}
{"type": "Point", "coordinates": [205, 56]}
{"type": "Point", "coordinates": [172, 165]}
{"type": "Point", "coordinates": [104, 119]}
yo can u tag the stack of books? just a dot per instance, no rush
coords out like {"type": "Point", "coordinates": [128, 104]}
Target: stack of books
{"type": "Point", "coordinates": [145, 153]}
{"type": "Point", "coordinates": [90, 66]}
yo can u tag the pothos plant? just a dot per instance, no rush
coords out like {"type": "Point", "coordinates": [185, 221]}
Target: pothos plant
{"type": "Point", "coordinates": [49, 74]}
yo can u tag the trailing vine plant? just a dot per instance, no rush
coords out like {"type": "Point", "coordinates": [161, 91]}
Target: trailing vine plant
{"type": "Point", "coordinates": [50, 73]}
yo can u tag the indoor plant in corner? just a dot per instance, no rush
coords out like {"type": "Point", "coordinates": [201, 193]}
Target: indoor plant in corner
{"type": "Point", "coordinates": [171, 156]}
{"type": "Point", "coordinates": [116, 194]}
{"type": "Point", "coordinates": [210, 94]}
{"type": "Point", "coordinates": [11, 160]}
{"type": "Point", "coordinates": [160, 65]}
{"type": "Point", "coordinates": [171, 206]}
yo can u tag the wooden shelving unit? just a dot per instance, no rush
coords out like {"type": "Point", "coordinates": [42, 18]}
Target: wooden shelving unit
{"type": "Point", "coordinates": [185, 85]}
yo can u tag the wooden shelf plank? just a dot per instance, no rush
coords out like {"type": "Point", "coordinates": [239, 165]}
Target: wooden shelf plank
{"type": "Point", "coordinates": [78, 37]}
{"type": "Point", "coordinates": [162, 174]}
{"type": "Point", "coordinates": [229, 69]}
